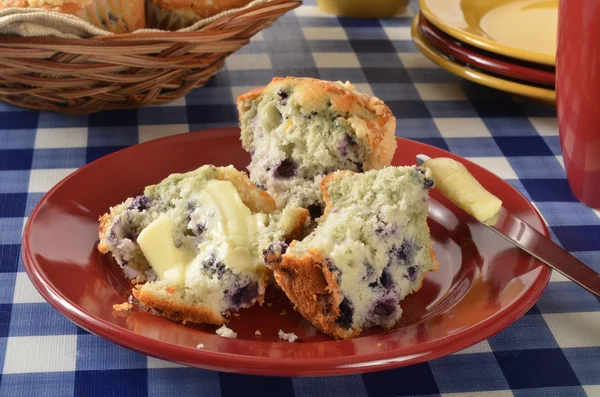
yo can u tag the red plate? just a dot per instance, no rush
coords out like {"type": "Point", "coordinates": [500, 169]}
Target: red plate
{"type": "Point", "coordinates": [487, 62]}
{"type": "Point", "coordinates": [483, 284]}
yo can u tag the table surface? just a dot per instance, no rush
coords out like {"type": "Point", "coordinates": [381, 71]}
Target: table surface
{"type": "Point", "coordinates": [553, 350]}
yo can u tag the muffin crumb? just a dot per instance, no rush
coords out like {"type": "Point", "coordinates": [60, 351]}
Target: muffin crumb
{"type": "Point", "coordinates": [290, 337]}
{"type": "Point", "coordinates": [226, 332]}
{"type": "Point", "coordinates": [122, 307]}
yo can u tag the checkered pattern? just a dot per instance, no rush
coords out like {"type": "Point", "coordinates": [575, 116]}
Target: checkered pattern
{"type": "Point", "coordinates": [553, 350]}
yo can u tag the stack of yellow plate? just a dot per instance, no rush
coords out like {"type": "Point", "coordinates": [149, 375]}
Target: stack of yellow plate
{"type": "Point", "coordinates": [509, 45]}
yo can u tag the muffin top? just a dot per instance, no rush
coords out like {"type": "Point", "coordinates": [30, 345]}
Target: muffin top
{"type": "Point", "coordinates": [298, 130]}
{"type": "Point", "coordinates": [200, 8]}
{"type": "Point", "coordinates": [64, 6]}
{"type": "Point", "coordinates": [372, 120]}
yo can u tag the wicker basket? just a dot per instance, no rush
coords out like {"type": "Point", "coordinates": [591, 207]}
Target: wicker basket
{"type": "Point", "coordinates": [81, 76]}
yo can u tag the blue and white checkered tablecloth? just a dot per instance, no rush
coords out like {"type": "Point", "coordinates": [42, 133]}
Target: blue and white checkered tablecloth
{"type": "Point", "coordinates": [554, 350]}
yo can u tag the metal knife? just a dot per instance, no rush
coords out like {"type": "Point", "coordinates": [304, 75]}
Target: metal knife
{"type": "Point", "coordinates": [519, 233]}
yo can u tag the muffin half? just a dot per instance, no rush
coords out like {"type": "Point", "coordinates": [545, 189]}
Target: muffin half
{"type": "Point", "coordinates": [370, 250]}
{"type": "Point", "coordinates": [192, 243]}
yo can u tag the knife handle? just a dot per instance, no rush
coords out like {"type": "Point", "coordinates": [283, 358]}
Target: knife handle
{"type": "Point", "coordinates": [544, 249]}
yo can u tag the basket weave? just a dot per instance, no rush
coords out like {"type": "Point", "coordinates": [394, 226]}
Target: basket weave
{"type": "Point", "coordinates": [124, 71]}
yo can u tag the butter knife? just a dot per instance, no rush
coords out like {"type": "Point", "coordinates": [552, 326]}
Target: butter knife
{"type": "Point", "coordinates": [522, 235]}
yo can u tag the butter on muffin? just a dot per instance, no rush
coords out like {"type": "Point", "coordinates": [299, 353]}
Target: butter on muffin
{"type": "Point", "coordinates": [370, 250]}
{"type": "Point", "coordinates": [178, 14]}
{"type": "Point", "coordinates": [193, 243]}
{"type": "Point", "coordinates": [117, 16]}
{"type": "Point", "coordinates": [298, 130]}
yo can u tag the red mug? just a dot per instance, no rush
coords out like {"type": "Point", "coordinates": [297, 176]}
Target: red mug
{"type": "Point", "coordinates": [578, 96]}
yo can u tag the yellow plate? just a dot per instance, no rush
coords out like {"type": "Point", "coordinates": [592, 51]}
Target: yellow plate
{"type": "Point", "coordinates": [522, 29]}
{"type": "Point", "coordinates": [476, 76]}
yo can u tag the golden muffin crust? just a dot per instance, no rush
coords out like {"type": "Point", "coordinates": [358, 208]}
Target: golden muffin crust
{"type": "Point", "coordinates": [116, 16]}
{"type": "Point", "coordinates": [370, 116]}
{"type": "Point", "coordinates": [200, 8]}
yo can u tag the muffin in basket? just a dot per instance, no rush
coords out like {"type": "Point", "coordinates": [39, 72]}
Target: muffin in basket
{"type": "Point", "coordinates": [178, 14]}
{"type": "Point", "coordinates": [117, 16]}
{"type": "Point", "coordinates": [193, 243]}
{"type": "Point", "coordinates": [298, 130]}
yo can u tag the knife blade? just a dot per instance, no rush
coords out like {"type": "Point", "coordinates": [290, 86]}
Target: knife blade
{"type": "Point", "coordinates": [527, 238]}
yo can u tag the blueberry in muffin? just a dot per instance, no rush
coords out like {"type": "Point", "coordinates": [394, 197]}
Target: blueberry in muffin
{"type": "Point", "coordinates": [298, 130]}
{"type": "Point", "coordinates": [193, 243]}
{"type": "Point", "coordinates": [371, 249]}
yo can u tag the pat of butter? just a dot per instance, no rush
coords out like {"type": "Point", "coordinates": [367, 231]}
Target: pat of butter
{"type": "Point", "coordinates": [232, 227]}
{"type": "Point", "coordinates": [168, 261]}
{"type": "Point", "coordinates": [455, 182]}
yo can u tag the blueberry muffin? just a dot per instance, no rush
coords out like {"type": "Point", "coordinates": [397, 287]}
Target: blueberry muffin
{"type": "Point", "coordinates": [178, 14]}
{"type": "Point", "coordinates": [116, 16]}
{"type": "Point", "coordinates": [298, 130]}
{"type": "Point", "coordinates": [193, 243]}
{"type": "Point", "coordinates": [370, 250]}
